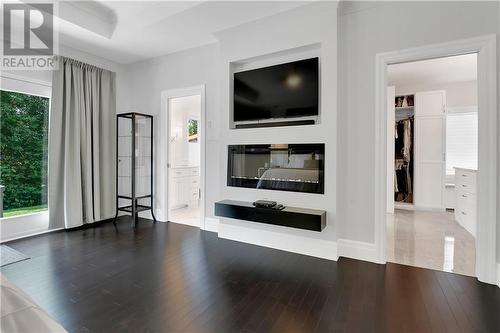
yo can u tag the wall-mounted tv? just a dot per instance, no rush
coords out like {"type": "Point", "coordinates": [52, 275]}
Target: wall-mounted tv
{"type": "Point", "coordinates": [288, 90]}
{"type": "Point", "coordinates": [284, 167]}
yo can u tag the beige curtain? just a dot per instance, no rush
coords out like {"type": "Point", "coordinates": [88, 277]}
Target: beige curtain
{"type": "Point", "coordinates": [81, 144]}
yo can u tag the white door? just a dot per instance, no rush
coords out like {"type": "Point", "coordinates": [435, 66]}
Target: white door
{"type": "Point", "coordinates": [391, 118]}
{"type": "Point", "coordinates": [430, 145]}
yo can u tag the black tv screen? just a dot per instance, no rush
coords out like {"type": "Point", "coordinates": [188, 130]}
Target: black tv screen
{"type": "Point", "coordinates": [281, 91]}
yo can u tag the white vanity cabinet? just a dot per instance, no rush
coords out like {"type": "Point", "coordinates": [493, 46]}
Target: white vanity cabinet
{"type": "Point", "coordinates": [184, 186]}
{"type": "Point", "coordinates": [466, 200]}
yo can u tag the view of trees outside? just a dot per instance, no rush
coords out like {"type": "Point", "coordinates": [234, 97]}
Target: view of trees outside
{"type": "Point", "coordinates": [23, 152]}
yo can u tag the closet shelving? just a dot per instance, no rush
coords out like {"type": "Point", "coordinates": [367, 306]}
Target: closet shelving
{"type": "Point", "coordinates": [420, 150]}
{"type": "Point", "coordinates": [403, 163]}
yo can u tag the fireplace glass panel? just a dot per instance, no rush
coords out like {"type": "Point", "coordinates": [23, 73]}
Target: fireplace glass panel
{"type": "Point", "coordinates": [284, 167]}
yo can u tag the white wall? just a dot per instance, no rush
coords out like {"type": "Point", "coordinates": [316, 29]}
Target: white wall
{"type": "Point", "coordinates": [210, 65]}
{"type": "Point", "coordinates": [312, 24]}
{"type": "Point", "coordinates": [141, 86]}
{"type": "Point", "coordinates": [498, 105]}
{"type": "Point", "coordinates": [366, 29]}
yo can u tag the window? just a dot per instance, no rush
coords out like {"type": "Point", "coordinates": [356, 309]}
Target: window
{"type": "Point", "coordinates": [461, 141]}
{"type": "Point", "coordinates": [23, 152]}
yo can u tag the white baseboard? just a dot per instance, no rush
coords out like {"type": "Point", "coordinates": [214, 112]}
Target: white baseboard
{"type": "Point", "coordinates": [29, 234]}
{"type": "Point", "coordinates": [430, 209]}
{"type": "Point", "coordinates": [211, 224]}
{"type": "Point", "coordinates": [194, 223]}
{"type": "Point", "coordinates": [303, 245]}
{"type": "Point", "coordinates": [498, 274]}
{"type": "Point", "coordinates": [357, 250]}
{"type": "Point", "coordinates": [403, 206]}
{"type": "Point", "coordinates": [409, 206]}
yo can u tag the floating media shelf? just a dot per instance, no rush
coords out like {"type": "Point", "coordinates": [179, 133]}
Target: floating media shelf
{"type": "Point", "coordinates": [292, 217]}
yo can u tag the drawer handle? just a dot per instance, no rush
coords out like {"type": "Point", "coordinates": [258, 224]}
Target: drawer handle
{"type": "Point", "coordinates": [464, 175]}
{"type": "Point", "coordinates": [464, 196]}
{"type": "Point", "coordinates": [464, 213]}
{"type": "Point", "coordinates": [464, 185]}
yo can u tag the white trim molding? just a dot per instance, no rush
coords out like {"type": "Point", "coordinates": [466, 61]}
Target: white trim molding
{"type": "Point", "coordinates": [357, 250]}
{"type": "Point", "coordinates": [280, 241]}
{"type": "Point", "coordinates": [162, 146]}
{"type": "Point", "coordinates": [485, 47]}
{"type": "Point", "coordinates": [498, 274]}
{"type": "Point", "coordinates": [33, 233]}
{"type": "Point", "coordinates": [26, 80]}
{"type": "Point", "coordinates": [211, 224]}
{"type": "Point", "coordinates": [21, 226]}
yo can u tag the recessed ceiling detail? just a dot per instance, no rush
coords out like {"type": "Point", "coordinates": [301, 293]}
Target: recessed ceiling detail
{"type": "Point", "coordinates": [130, 31]}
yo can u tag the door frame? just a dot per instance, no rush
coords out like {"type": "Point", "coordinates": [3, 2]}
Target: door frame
{"type": "Point", "coordinates": [164, 135]}
{"type": "Point", "coordinates": [485, 47]}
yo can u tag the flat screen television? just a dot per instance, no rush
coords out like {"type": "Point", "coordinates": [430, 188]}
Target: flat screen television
{"type": "Point", "coordinates": [283, 167]}
{"type": "Point", "coordinates": [287, 90]}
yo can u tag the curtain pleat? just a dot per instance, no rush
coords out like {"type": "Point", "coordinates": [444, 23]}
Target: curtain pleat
{"type": "Point", "coordinates": [81, 145]}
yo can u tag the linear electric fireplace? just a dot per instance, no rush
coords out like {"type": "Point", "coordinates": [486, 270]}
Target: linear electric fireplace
{"type": "Point", "coordinates": [283, 167]}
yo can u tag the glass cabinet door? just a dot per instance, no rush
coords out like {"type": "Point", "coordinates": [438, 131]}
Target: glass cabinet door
{"type": "Point", "coordinates": [143, 167]}
{"type": "Point", "coordinates": [124, 159]}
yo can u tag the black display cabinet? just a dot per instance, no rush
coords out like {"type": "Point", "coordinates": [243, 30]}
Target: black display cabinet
{"type": "Point", "coordinates": [134, 164]}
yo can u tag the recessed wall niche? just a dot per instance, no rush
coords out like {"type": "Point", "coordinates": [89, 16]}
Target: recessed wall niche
{"type": "Point", "coordinates": [277, 89]}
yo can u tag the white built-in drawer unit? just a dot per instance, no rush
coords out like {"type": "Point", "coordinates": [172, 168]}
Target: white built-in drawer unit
{"type": "Point", "coordinates": [466, 199]}
{"type": "Point", "coordinates": [184, 186]}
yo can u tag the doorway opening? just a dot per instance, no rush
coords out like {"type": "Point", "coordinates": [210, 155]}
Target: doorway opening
{"type": "Point", "coordinates": [184, 160]}
{"type": "Point", "coordinates": [486, 178]}
{"type": "Point", "coordinates": [182, 157]}
{"type": "Point", "coordinates": [432, 144]}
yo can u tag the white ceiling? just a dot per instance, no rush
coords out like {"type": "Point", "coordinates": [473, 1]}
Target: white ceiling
{"type": "Point", "coordinates": [434, 71]}
{"type": "Point", "coordinates": [130, 31]}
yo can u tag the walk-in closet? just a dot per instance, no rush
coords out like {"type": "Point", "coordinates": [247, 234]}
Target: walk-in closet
{"type": "Point", "coordinates": [403, 157]}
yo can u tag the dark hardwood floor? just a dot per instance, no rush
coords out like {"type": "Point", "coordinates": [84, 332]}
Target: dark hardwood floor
{"type": "Point", "coordinates": [174, 278]}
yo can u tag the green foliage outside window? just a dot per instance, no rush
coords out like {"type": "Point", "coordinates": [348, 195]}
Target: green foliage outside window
{"type": "Point", "coordinates": [192, 130]}
{"type": "Point", "coordinates": [23, 151]}
{"type": "Point", "coordinates": [192, 127]}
